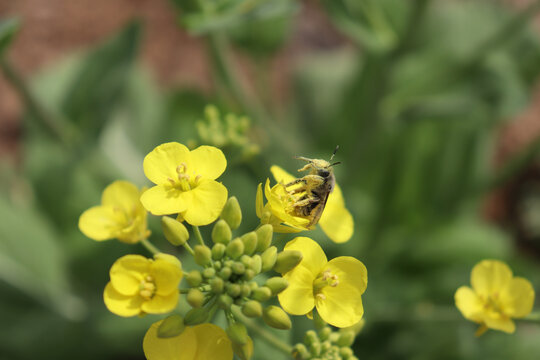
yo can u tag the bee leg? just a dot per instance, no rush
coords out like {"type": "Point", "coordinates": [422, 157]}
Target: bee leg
{"type": "Point", "coordinates": [295, 181]}
{"type": "Point", "coordinates": [308, 201]}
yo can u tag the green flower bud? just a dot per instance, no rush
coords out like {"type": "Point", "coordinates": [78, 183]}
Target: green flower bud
{"type": "Point", "coordinates": [172, 326]}
{"type": "Point", "coordinates": [203, 255]}
{"type": "Point", "coordinates": [246, 290]}
{"type": "Point", "coordinates": [232, 213]}
{"type": "Point", "coordinates": [209, 273]}
{"type": "Point", "coordinates": [249, 274]}
{"type": "Point", "coordinates": [277, 318]}
{"type": "Point", "coordinates": [224, 301]}
{"type": "Point", "coordinates": [237, 332]}
{"type": "Point", "coordinates": [346, 338]}
{"type": "Point", "coordinates": [238, 268]}
{"type": "Point", "coordinates": [218, 250]}
{"type": "Point", "coordinates": [256, 264]}
{"type": "Point", "coordinates": [324, 333]}
{"type": "Point", "coordinates": [225, 273]}
{"type": "Point", "coordinates": [195, 298]}
{"type": "Point", "coordinates": [264, 237]}
{"type": "Point", "coordinates": [300, 352]}
{"type": "Point", "coordinates": [228, 262]}
{"type": "Point", "coordinates": [235, 248]}
{"type": "Point", "coordinates": [276, 284]}
{"type": "Point", "coordinates": [287, 260]}
{"type": "Point", "coordinates": [311, 338]}
{"type": "Point", "coordinates": [194, 278]}
{"type": "Point", "coordinates": [217, 285]}
{"type": "Point", "coordinates": [244, 352]}
{"type": "Point", "coordinates": [269, 257]}
{"type": "Point", "coordinates": [346, 352]}
{"type": "Point", "coordinates": [217, 265]}
{"type": "Point", "coordinates": [233, 289]}
{"type": "Point", "coordinates": [261, 294]}
{"type": "Point", "coordinates": [253, 285]}
{"type": "Point", "coordinates": [221, 233]}
{"type": "Point", "coordinates": [325, 346]}
{"type": "Point", "coordinates": [196, 316]}
{"type": "Point", "coordinates": [315, 349]}
{"type": "Point", "coordinates": [250, 242]}
{"type": "Point", "coordinates": [252, 309]}
{"type": "Point", "coordinates": [175, 232]}
{"type": "Point", "coordinates": [246, 260]}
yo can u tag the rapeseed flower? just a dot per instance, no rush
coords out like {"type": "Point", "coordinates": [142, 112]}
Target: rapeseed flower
{"type": "Point", "coordinates": [120, 215]}
{"type": "Point", "coordinates": [336, 221]}
{"type": "Point", "coordinates": [495, 298]}
{"type": "Point", "coordinates": [185, 182]}
{"type": "Point", "coordinates": [139, 285]}
{"type": "Point", "coordinates": [333, 287]}
{"type": "Point", "coordinates": [201, 342]}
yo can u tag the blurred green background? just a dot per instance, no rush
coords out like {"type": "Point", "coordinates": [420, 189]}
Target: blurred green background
{"type": "Point", "coordinates": [417, 94]}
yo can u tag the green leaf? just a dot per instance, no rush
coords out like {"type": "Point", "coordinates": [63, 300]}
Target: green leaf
{"type": "Point", "coordinates": [31, 260]}
{"type": "Point", "coordinates": [98, 86]}
{"type": "Point", "coordinates": [8, 29]}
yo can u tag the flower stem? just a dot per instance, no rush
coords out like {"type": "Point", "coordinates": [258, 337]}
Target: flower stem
{"type": "Point", "coordinates": [198, 235]}
{"type": "Point", "coordinates": [264, 334]}
{"type": "Point", "coordinates": [534, 316]}
{"type": "Point", "coordinates": [150, 247]}
{"type": "Point", "coordinates": [32, 104]}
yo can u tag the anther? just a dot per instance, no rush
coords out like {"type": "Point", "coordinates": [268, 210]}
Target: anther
{"type": "Point", "coordinates": [320, 296]}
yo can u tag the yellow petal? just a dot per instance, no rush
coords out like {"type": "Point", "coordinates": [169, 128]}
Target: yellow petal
{"type": "Point", "coordinates": [207, 161]}
{"type": "Point", "coordinates": [161, 163]}
{"type": "Point", "coordinates": [212, 343]}
{"type": "Point", "coordinates": [338, 311]}
{"type": "Point", "coordinates": [128, 272]}
{"type": "Point", "coordinates": [502, 323]}
{"type": "Point", "coordinates": [313, 257]}
{"type": "Point", "coordinates": [121, 305]}
{"type": "Point", "coordinates": [259, 202]}
{"type": "Point", "coordinates": [342, 304]}
{"type": "Point", "coordinates": [469, 304]}
{"type": "Point", "coordinates": [161, 304]}
{"type": "Point", "coordinates": [164, 200]}
{"type": "Point", "coordinates": [490, 276]}
{"type": "Point", "coordinates": [337, 222]}
{"type": "Point", "coordinates": [277, 202]}
{"type": "Point", "coordinates": [122, 195]}
{"type": "Point", "coordinates": [281, 175]}
{"type": "Point", "coordinates": [101, 223]}
{"type": "Point", "coordinates": [166, 276]}
{"type": "Point", "coordinates": [205, 203]}
{"type": "Point", "coordinates": [518, 298]}
{"type": "Point", "coordinates": [181, 347]}
{"type": "Point", "coordinates": [297, 298]}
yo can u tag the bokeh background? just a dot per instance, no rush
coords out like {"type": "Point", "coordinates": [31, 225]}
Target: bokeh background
{"type": "Point", "coordinates": [435, 105]}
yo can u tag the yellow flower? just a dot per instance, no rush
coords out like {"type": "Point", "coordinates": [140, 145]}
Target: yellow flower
{"type": "Point", "coordinates": [336, 221]}
{"type": "Point", "coordinates": [139, 285]}
{"type": "Point", "coordinates": [495, 298]}
{"type": "Point", "coordinates": [201, 342]}
{"type": "Point", "coordinates": [333, 287]}
{"type": "Point", "coordinates": [121, 215]}
{"type": "Point", "coordinates": [185, 182]}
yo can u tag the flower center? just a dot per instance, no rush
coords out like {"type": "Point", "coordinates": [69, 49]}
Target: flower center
{"type": "Point", "coordinates": [493, 304]}
{"type": "Point", "coordinates": [326, 278]}
{"type": "Point", "coordinates": [147, 287]}
{"type": "Point", "coordinates": [184, 181]}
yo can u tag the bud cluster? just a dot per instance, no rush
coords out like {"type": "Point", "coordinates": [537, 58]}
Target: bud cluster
{"type": "Point", "coordinates": [326, 344]}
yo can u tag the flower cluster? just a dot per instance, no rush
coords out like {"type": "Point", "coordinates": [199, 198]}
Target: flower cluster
{"type": "Point", "coordinates": [239, 275]}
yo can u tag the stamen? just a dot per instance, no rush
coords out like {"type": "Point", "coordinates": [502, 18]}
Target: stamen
{"type": "Point", "coordinates": [171, 181]}
{"type": "Point", "coordinates": [334, 284]}
{"type": "Point", "coordinates": [320, 296]}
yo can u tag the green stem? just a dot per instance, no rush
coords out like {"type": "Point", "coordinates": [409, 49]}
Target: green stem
{"type": "Point", "coordinates": [198, 235]}
{"type": "Point", "coordinates": [183, 291]}
{"type": "Point", "coordinates": [264, 334]}
{"type": "Point", "coordinates": [150, 247]}
{"type": "Point", "coordinates": [31, 103]}
{"type": "Point", "coordinates": [188, 248]}
{"type": "Point", "coordinates": [534, 316]}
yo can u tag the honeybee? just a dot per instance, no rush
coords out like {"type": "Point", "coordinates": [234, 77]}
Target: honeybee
{"type": "Point", "coordinates": [314, 189]}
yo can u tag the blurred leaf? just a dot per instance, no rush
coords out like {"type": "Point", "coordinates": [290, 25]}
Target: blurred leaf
{"type": "Point", "coordinates": [465, 241]}
{"type": "Point", "coordinates": [98, 85]}
{"type": "Point", "coordinates": [8, 29]}
{"type": "Point", "coordinates": [31, 260]}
